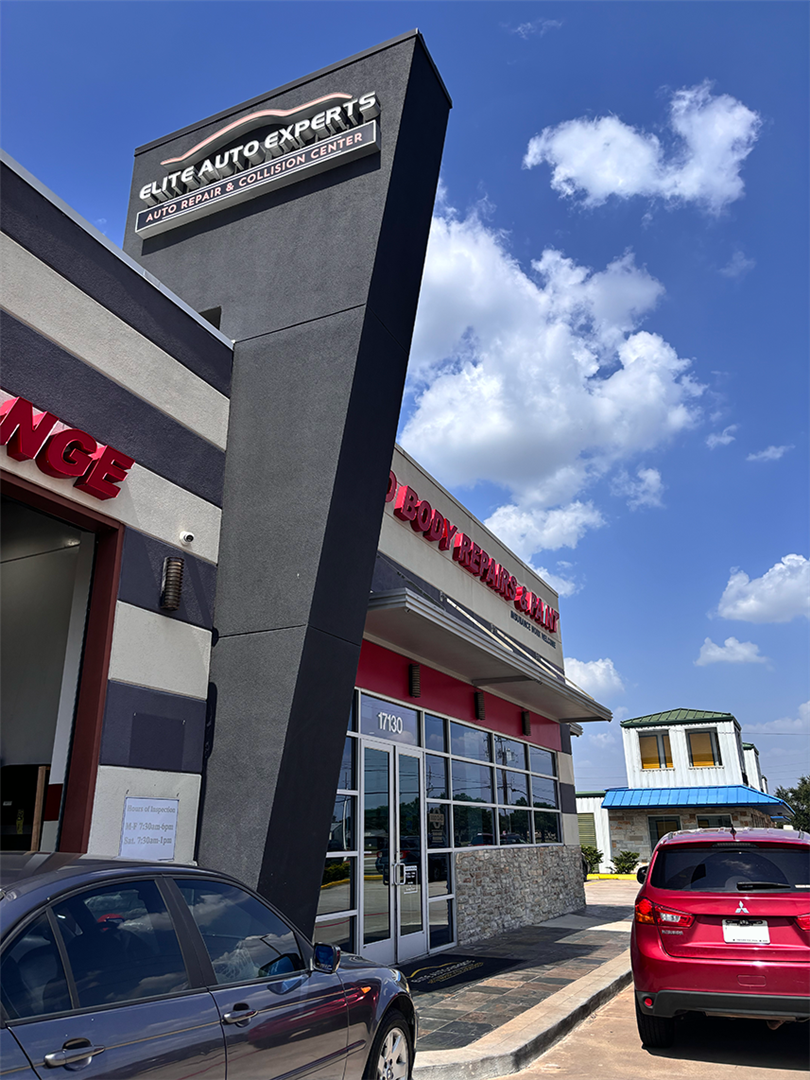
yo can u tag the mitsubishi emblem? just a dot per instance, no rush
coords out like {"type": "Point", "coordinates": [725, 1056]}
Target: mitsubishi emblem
{"type": "Point", "coordinates": [741, 907]}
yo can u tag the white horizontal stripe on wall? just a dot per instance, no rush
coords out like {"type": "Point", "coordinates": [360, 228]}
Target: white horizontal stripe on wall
{"type": "Point", "coordinates": [39, 297]}
{"type": "Point", "coordinates": [158, 652]}
{"type": "Point", "coordinates": [114, 784]}
{"type": "Point", "coordinates": [147, 501]}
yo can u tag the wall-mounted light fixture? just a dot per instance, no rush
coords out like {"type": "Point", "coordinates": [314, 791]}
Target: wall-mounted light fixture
{"type": "Point", "coordinates": [480, 711]}
{"type": "Point", "coordinates": [415, 680]}
{"type": "Point", "coordinates": [526, 722]}
{"type": "Point", "coordinates": [171, 588]}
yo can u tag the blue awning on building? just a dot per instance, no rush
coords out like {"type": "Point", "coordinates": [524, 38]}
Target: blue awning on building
{"type": "Point", "coordinates": [725, 795]}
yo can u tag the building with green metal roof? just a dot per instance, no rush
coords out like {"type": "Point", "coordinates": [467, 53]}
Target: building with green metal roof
{"type": "Point", "coordinates": [686, 768]}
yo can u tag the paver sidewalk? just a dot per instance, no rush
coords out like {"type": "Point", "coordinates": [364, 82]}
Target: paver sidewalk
{"type": "Point", "coordinates": [571, 959]}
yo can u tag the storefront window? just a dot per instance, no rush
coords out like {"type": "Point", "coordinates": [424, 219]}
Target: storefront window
{"type": "Point", "coordinates": [436, 777]}
{"type": "Point", "coordinates": [438, 875]}
{"type": "Point", "coordinates": [387, 720]}
{"type": "Point", "coordinates": [438, 825]}
{"type": "Point", "coordinates": [346, 781]}
{"type": "Point", "coordinates": [473, 826]}
{"type": "Point", "coordinates": [544, 791]}
{"type": "Point", "coordinates": [441, 923]}
{"type": "Point", "coordinates": [338, 932]}
{"type": "Point", "coordinates": [435, 733]}
{"type": "Point", "coordinates": [512, 788]}
{"type": "Point", "coordinates": [472, 783]}
{"type": "Point", "coordinates": [341, 831]}
{"type": "Point", "coordinates": [337, 886]}
{"type": "Point", "coordinates": [542, 761]}
{"type": "Point", "coordinates": [509, 752]}
{"type": "Point", "coordinates": [470, 742]}
{"type": "Point", "coordinates": [513, 826]}
{"type": "Point", "coordinates": [546, 828]}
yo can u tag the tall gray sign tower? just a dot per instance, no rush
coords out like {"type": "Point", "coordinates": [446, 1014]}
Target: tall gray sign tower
{"type": "Point", "coordinates": [299, 222]}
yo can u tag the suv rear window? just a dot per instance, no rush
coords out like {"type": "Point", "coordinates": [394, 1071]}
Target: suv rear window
{"type": "Point", "coordinates": [732, 868]}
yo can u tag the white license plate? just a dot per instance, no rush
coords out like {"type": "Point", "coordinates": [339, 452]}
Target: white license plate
{"type": "Point", "coordinates": [752, 932]}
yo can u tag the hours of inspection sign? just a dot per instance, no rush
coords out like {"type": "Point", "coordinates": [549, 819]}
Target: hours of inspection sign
{"type": "Point", "coordinates": [149, 828]}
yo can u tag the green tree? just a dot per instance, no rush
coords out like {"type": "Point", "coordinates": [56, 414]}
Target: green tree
{"type": "Point", "coordinates": [593, 857]}
{"type": "Point", "coordinates": [798, 799]}
{"type": "Point", "coordinates": [625, 862]}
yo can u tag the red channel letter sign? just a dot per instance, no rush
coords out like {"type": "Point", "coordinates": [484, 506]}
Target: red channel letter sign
{"type": "Point", "coordinates": [434, 526]}
{"type": "Point", "coordinates": [68, 452]}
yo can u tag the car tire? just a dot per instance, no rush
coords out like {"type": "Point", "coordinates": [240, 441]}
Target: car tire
{"type": "Point", "coordinates": [657, 1032]}
{"type": "Point", "coordinates": [392, 1052]}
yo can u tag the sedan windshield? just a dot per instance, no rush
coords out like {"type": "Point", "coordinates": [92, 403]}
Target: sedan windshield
{"type": "Point", "coordinates": [732, 868]}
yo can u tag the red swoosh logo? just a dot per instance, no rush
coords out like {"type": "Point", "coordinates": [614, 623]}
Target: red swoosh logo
{"type": "Point", "coordinates": [248, 123]}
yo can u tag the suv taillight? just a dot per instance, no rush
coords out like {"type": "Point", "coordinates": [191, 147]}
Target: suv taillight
{"type": "Point", "coordinates": [803, 921]}
{"type": "Point", "coordinates": [647, 912]}
{"type": "Point", "coordinates": [644, 911]}
{"type": "Point", "coordinates": [667, 917]}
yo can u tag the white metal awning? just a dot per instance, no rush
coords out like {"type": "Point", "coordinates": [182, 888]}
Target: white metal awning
{"type": "Point", "coordinates": [466, 649]}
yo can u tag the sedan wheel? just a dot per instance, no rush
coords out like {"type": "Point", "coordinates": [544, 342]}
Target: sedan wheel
{"type": "Point", "coordinates": [391, 1057]}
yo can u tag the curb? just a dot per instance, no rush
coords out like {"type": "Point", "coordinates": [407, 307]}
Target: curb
{"type": "Point", "coordinates": [611, 877]}
{"type": "Point", "coordinates": [514, 1045]}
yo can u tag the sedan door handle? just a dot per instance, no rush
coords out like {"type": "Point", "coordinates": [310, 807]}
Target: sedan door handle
{"type": "Point", "coordinates": [72, 1055]}
{"type": "Point", "coordinates": [238, 1017]}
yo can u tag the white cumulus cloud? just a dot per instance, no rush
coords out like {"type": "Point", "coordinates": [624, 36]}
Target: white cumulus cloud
{"type": "Point", "coordinates": [539, 26]}
{"type": "Point", "coordinates": [599, 678]}
{"type": "Point", "coordinates": [737, 266]}
{"type": "Point", "coordinates": [725, 437]}
{"type": "Point", "coordinates": [709, 138]}
{"type": "Point", "coordinates": [645, 490]}
{"type": "Point", "coordinates": [785, 725]}
{"type": "Point", "coordinates": [770, 453]}
{"type": "Point", "coordinates": [541, 382]}
{"type": "Point", "coordinates": [781, 594]}
{"type": "Point", "coordinates": [731, 651]}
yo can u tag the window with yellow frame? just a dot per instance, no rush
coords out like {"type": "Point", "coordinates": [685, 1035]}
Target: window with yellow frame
{"type": "Point", "coordinates": [704, 751]}
{"type": "Point", "coordinates": [655, 751]}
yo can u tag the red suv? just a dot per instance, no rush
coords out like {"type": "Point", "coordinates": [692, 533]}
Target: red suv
{"type": "Point", "coordinates": [722, 927]}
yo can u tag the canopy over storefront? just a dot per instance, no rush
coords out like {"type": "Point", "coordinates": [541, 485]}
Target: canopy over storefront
{"type": "Point", "coordinates": [470, 651]}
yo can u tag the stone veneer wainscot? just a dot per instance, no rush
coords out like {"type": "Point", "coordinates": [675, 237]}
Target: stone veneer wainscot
{"type": "Point", "coordinates": [505, 889]}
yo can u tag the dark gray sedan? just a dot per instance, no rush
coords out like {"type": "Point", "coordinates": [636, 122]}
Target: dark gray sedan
{"type": "Point", "coordinates": [112, 969]}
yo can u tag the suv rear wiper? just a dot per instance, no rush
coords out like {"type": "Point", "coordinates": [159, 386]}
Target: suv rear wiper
{"type": "Point", "coordinates": [744, 886]}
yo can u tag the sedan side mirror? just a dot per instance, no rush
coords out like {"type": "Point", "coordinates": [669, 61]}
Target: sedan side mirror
{"type": "Point", "coordinates": [326, 958]}
{"type": "Point", "coordinates": [641, 874]}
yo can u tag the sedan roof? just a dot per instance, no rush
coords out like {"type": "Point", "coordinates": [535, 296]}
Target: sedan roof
{"type": "Point", "coordinates": [23, 872]}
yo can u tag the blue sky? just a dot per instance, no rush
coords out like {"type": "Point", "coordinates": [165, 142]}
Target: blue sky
{"type": "Point", "coordinates": [610, 360]}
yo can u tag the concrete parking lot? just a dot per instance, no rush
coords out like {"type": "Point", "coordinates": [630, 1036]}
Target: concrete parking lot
{"type": "Point", "coordinates": [607, 1045]}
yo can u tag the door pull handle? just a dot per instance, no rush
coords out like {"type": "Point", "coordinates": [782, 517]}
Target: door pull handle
{"type": "Point", "coordinates": [72, 1055]}
{"type": "Point", "coordinates": [238, 1017]}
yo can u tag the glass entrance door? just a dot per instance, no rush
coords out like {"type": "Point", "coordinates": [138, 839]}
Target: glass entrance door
{"type": "Point", "coordinates": [393, 854]}
{"type": "Point", "coordinates": [409, 876]}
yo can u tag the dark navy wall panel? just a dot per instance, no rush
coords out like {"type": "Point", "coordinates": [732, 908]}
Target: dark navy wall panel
{"type": "Point", "coordinates": [55, 238]}
{"type": "Point", "coordinates": [568, 799]}
{"type": "Point", "coordinates": [37, 369]}
{"type": "Point", "coordinates": [149, 729]}
{"type": "Point", "coordinates": [565, 738]}
{"type": "Point", "coordinates": [142, 573]}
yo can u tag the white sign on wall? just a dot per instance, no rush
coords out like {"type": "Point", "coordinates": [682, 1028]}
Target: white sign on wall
{"type": "Point", "coordinates": [149, 828]}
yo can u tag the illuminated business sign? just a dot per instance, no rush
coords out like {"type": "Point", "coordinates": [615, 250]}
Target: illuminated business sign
{"type": "Point", "coordinates": [437, 528]}
{"type": "Point", "coordinates": [61, 451]}
{"type": "Point", "coordinates": [222, 171]}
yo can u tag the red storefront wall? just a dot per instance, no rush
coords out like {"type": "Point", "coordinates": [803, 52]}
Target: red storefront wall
{"type": "Point", "coordinates": [384, 672]}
